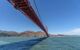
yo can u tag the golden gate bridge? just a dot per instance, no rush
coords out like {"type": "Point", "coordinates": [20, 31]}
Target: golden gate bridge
{"type": "Point", "coordinates": [26, 8]}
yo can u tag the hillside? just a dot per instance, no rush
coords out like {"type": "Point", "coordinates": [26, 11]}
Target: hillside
{"type": "Point", "coordinates": [24, 34]}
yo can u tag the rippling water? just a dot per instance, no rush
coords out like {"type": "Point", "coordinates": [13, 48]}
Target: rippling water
{"type": "Point", "coordinates": [8, 40]}
{"type": "Point", "coordinates": [59, 43]}
{"type": "Point", "coordinates": [51, 43]}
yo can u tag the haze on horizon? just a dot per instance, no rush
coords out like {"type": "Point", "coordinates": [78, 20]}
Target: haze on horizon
{"type": "Point", "coordinates": [60, 16]}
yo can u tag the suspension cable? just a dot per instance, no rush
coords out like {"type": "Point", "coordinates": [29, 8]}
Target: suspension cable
{"type": "Point", "coordinates": [36, 7]}
{"type": "Point", "coordinates": [38, 11]}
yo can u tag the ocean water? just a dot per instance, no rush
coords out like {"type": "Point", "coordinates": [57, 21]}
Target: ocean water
{"type": "Point", "coordinates": [51, 43]}
{"type": "Point", "coordinates": [9, 40]}
{"type": "Point", "coordinates": [59, 43]}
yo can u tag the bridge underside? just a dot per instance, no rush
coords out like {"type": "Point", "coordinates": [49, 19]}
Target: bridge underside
{"type": "Point", "coordinates": [25, 7]}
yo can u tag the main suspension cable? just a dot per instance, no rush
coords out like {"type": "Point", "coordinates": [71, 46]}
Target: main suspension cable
{"type": "Point", "coordinates": [36, 8]}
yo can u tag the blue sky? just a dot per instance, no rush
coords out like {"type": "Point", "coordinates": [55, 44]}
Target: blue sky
{"type": "Point", "coordinates": [60, 16]}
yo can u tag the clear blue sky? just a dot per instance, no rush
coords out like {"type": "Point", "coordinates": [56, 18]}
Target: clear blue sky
{"type": "Point", "coordinates": [59, 16]}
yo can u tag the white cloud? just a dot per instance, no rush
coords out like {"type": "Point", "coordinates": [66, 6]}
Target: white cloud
{"type": "Point", "coordinates": [73, 32]}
